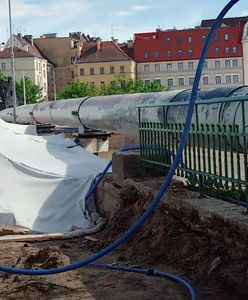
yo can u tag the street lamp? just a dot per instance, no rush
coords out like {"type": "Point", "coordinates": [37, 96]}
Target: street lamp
{"type": "Point", "coordinates": [12, 64]}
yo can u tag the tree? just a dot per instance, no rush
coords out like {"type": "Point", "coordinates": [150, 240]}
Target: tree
{"type": "Point", "coordinates": [33, 92]}
{"type": "Point", "coordinates": [3, 77]}
{"type": "Point", "coordinates": [78, 89]}
{"type": "Point", "coordinates": [121, 86]}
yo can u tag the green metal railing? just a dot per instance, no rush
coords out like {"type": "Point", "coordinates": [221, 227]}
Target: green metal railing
{"type": "Point", "coordinates": [215, 154]}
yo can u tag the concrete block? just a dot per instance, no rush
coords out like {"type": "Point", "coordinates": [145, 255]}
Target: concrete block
{"type": "Point", "coordinates": [125, 165]}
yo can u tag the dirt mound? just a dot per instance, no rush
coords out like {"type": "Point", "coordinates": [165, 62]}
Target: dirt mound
{"type": "Point", "coordinates": [47, 258]}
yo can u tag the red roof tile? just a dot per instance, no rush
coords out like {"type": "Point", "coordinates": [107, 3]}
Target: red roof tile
{"type": "Point", "coordinates": [108, 52]}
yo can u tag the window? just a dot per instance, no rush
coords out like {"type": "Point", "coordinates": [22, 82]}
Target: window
{"type": "Point", "coordinates": [168, 40]}
{"type": "Point", "coordinates": [205, 65]}
{"type": "Point", "coordinates": [72, 74]}
{"type": "Point", "coordinates": [218, 79]}
{"type": "Point", "coordinates": [92, 71]}
{"type": "Point", "coordinates": [157, 81]}
{"type": "Point", "coordinates": [235, 78]}
{"type": "Point", "coordinates": [45, 87]}
{"type": "Point", "coordinates": [179, 40]}
{"type": "Point", "coordinates": [44, 73]}
{"type": "Point", "coordinates": [227, 50]}
{"type": "Point", "coordinates": [226, 36]}
{"type": "Point", "coordinates": [102, 85]}
{"type": "Point", "coordinates": [228, 79]}
{"type": "Point", "coordinates": [191, 80]}
{"type": "Point", "coordinates": [181, 81]}
{"type": "Point", "coordinates": [235, 50]}
{"type": "Point", "coordinates": [147, 82]}
{"type": "Point", "coordinates": [170, 82]}
{"type": "Point", "coordinates": [156, 54]}
{"type": "Point", "coordinates": [217, 64]}
{"type": "Point", "coordinates": [101, 70]}
{"type": "Point", "coordinates": [189, 39]}
{"type": "Point", "coordinates": [204, 38]}
{"type": "Point", "coordinates": [122, 69]}
{"type": "Point", "coordinates": [180, 66]}
{"type": "Point", "coordinates": [157, 67]}
{"type": "Point", "coordinates": [81, 72]}
{"type": "Point", "coordinates": [112, 69]}
{"type": "Point", "coordinates": [113, 83]}
{"type": "Point", "coordinates": [146, 55]}
{"type": "Point", "coordinates": [216, 50]}
{"type": "Point", "coordinates": [190, 66]}
{"type": "Point", "coordinates": [235, 63]}
{"type": "Point", "coordinates": [37, 66]}
{"type": "Point", "coordinates": [205, 80]}
{"type": "Point", "coordinates": [180, 52]}
{"type": "Point", "coordinates": [190, 52]}
{"type": "Point", "coordinates": [227, 64]}
{"type": "Point", "coordinates": [169, 67]}
{"type": "Point", "coordinates": [169, 53]}
{"type": "Point", "coordinates": [146, 68]}
{"type": "Point", "coordinates": [73, 58]}
{"type": "Point", "coordinates": [3, 66]}
{"type": "Point", "coordinates": [216, 37]}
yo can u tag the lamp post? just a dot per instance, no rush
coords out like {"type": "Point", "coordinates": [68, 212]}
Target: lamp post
{"type": "Point", "coordinates": [24, 88]}
{"type": "Point", "coordinates": [12, 64]}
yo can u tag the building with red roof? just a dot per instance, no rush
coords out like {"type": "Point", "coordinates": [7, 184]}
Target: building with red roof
{"type": "Point", "coordinates": [101, 63]}
{"type": "Point", "coordinates": [28, 62]}
{"type": "Point", "coordinates": [171, 56]}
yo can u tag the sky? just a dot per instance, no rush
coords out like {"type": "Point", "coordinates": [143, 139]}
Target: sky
{"type": "Point", "coordinates": [106, 18]}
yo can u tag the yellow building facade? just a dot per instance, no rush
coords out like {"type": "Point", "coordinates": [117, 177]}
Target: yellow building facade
{"type": "Point", "coordinates": [102, 63]}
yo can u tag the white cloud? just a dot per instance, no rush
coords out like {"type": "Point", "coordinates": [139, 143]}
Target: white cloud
{"type": "Point", "coordinates": [133, 9]}
{"type": "Point", "coordinates": [141, 7]}
{"type": "Point", "coordinates": [244, 13]}
{"type": "Point", "coordinates": [123, 13]}
{"type": "Point", "coordinates": [35, 16]}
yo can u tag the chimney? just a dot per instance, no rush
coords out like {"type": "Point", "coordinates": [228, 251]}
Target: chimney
{"type": "Point", "coordinates": [2, 47]}
{"type": "Point", "coordinates": [98, 43]}
{"type": "Point", "coordinates": [29, 38]}
{"type": "Point", "coordinates": [130, 44]}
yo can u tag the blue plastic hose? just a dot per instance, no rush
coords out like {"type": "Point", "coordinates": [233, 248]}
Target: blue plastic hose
{"type": "Point", "coordinates": [149, 272]}
{"type": "Point", "coordinates": [123, 238]}
{"type": "Point", "coordinates": [166, 183]}
{"type": "Point", "coordinates": [133, 148]}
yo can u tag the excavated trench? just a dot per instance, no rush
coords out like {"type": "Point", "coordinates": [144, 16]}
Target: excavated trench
{"type": "Point", "coordinates": [203, 240]}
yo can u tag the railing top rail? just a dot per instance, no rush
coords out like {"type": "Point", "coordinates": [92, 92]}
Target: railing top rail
{"type": "Point", "coordinates": [200, 102]}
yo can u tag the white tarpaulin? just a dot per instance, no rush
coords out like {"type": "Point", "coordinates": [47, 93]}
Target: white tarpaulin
{"type": "Point", "coordinates": [43, 180]}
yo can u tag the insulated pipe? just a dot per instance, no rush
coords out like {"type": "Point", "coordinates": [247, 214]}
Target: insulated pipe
{"type": "Point", "coordinates": [118, 113]}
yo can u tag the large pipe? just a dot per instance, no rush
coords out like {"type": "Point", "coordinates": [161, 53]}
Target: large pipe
{"type": "Point", "coordinates": [119, 114]}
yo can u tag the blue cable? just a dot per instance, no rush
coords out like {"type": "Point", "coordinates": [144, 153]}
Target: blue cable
{"type": "Point", "coordinates": [149, 272]}
{"type": "Point", "coordinates": [133, 148]}
{"type": "Point", "coordinates": [164, 186]}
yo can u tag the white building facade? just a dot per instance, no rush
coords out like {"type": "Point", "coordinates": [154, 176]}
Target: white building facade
{"type": "Point", "coordinates": [28, 62]}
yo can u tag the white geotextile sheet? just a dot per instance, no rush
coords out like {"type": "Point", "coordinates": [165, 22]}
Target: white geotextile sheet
{"type": "Point", "coordinates": [43, 183]}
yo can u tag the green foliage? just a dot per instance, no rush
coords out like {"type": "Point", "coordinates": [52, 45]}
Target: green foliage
{"type": "Point", "coordinates": [119, 86]}
{"type": "Point", "coordinates": [77, 90]}
{"type": "Point", "coordinates": [33, 92]}
{"type": "Point", "coordinates": [3, 77]}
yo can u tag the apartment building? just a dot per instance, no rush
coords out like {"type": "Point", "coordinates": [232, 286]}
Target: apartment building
{"type": "Point", "coordinates": [171, 56]}
{"type": "Point", "coordinates": [62, 52]}
{"type": "Point", "coordinates": [28, 62]}
{"type": "Point", "coordinates": [101, 63]}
